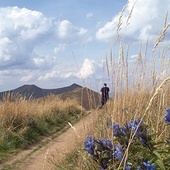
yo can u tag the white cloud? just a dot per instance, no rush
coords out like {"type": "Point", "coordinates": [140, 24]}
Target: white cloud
{"type": "Point", "coordinates": [52, 74]}
{"type": "Point", "coordinates": [108, 31]}
{"type": "Point", "coordinates": [37, 49]}
{"type": "Point", "coordinates": [22, 23]}
{"type": "Point", "coordinates": [89, 15]}
{"type": "Point", "coordinates": [143, 22]}
{"type": "Point", "coordinates": [58, 72]}
{"type": "Point", "coordinates": [42, 62]}
{"type": "Point", "coordinates": [4, 49]}
{"type": "Point", "coordinates": [26, 78]}
{"type": "Point", "coordinates": [69, 32]}
{"type": "Point", "coordinates": [60, 47]}
{"type": "Point", "coordinates": [89, 68]}
{"type": "Point", "coordinates": [24, 34]}
{"type": "Point", "coordinates": [4, 72]}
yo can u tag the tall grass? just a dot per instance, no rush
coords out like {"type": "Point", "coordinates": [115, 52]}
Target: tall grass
{"type": "Point", "coordinates": [141, 90]}
{"type": "Point", "coordinates": [146, 97]}
{"type": "Point", "coordinates": [25, 121]}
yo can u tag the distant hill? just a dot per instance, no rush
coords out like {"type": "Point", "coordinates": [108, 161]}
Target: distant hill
{"type": "Point", "coordinates": [34, 91]}
{"type": "Point", "coordinates": [87, 98]}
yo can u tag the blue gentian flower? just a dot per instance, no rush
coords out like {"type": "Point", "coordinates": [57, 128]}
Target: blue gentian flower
{"type": "Point", "coordinates": [147, 166]}
{"type": "Point", "coordinates": [118, 131]}
{"type": "Point", "coordinates": [99, 147]}
{"type": "Point", "coordinates": [167, 116]}
{"type": "Point", "coordinates": [107, 143]}
{"type": "Point", "coordinates": [128, 167]}
{"type": "Point", "coordinates": [136, 124]}
{"type": "Point", "coordinates": [89, 145]}
{"type": "Point", "coordinates": [104, 145]}
{"type": "Point", "coordinates": [118, 152]}
{"type": "Point", "coordinates": [123, 131]}
{"type": "Point", "coordinates": [127, 126]}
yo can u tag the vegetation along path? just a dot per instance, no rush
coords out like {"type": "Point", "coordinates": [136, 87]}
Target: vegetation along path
{"type": "Point", "coordinates": [55, 150]}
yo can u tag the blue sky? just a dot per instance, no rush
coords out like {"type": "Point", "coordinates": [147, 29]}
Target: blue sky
{"type": "Point", "coordinates": [56, 43]}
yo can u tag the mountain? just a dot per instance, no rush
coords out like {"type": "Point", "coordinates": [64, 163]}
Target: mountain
{"type": "Point", "coordinates": [36, 92]}
{"type": "Point", "coordinates": [87, 98]}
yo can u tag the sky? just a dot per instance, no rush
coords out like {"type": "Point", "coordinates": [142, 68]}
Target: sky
{"type": "Point", "coordinates": [56, 43]}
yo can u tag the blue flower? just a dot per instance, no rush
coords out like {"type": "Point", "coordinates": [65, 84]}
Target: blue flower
{"type": "Point", "coordinates": [89, 145]}
{"type": "Point", "coordinates": [147, 165]}
{"type": "Point", "coordinates": [104, 146]}
{"type": "Point", "coordinates": [127, 126]}
{"type": "Point", "coordinates": [128, 167]}
{"type": "Point", "coordinates": [116, 130]}
{"type": "Point", "coordinates": [107, 143]}
{"type": "Point", "coordinates": [118, 152]}
{"type": "Point", "coordinates": [167, 116]}
{"type": "Point", "coordinates": [136, 123]}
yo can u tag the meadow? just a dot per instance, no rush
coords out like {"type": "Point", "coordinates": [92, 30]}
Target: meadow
{"type": "Point", "coordinates": [132, 131]}
{"type": "Point", "coordinates": [26, 122]}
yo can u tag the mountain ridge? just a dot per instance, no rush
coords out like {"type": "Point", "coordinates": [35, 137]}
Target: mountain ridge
{"type": "Point", "coordinates": [85, 97]}
{"type": "Point", "coordinates": [34, 91]}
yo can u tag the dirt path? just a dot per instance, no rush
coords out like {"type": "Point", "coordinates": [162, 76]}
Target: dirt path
{"type": "Point", "coordinates": [56, 149]}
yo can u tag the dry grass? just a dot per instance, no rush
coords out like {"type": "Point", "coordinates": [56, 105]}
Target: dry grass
{"type": "Point", "coordinates": [141, 90]}
{"type": "Point", "coordinates": [18, 115]}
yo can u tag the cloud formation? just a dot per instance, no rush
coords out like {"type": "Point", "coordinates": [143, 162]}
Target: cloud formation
{"type": "Point", "coordinates": [87, 69]}
{"type": "Point", "coordinates": [36, 47]}
{"type": "Point", "coordinates": [69, 32]}
{"type": "Point", "coordinates": [139, 20]}
{"type": "Point", "coordinates": [23, 32]}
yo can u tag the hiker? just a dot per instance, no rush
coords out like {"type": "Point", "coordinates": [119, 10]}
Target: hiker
{"type": "Point", "coordinates": [104, 94]}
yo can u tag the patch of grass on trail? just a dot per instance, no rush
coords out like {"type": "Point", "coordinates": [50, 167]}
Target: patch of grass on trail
{"type": "Point", "coordinates": [76, 160]}
{"type": "Point", "coordinates": [70, 161]}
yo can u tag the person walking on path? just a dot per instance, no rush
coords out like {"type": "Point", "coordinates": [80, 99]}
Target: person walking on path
{"type": "Point", "coordinates": [104, 94]}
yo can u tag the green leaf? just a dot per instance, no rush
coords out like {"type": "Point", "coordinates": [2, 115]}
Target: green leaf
{"type": "Point", "coordinates": [160, 164]}
{"type": "Point", "coordinates": [157, 154]}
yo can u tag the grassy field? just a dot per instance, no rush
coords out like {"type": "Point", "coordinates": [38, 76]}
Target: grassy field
{"type": "Point", "coordinates": [132, 131]}
{"type": "Point", "coordinates": [146, 100]}
{"type": "Point", "coordinates": [25, 122]}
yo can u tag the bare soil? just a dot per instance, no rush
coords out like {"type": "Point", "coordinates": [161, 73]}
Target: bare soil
{"type": "Point", "coordinates": [55, 150]}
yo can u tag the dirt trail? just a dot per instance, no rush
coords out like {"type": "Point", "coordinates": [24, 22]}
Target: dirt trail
{"type": "Point", "coordinates": [56, 149]}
